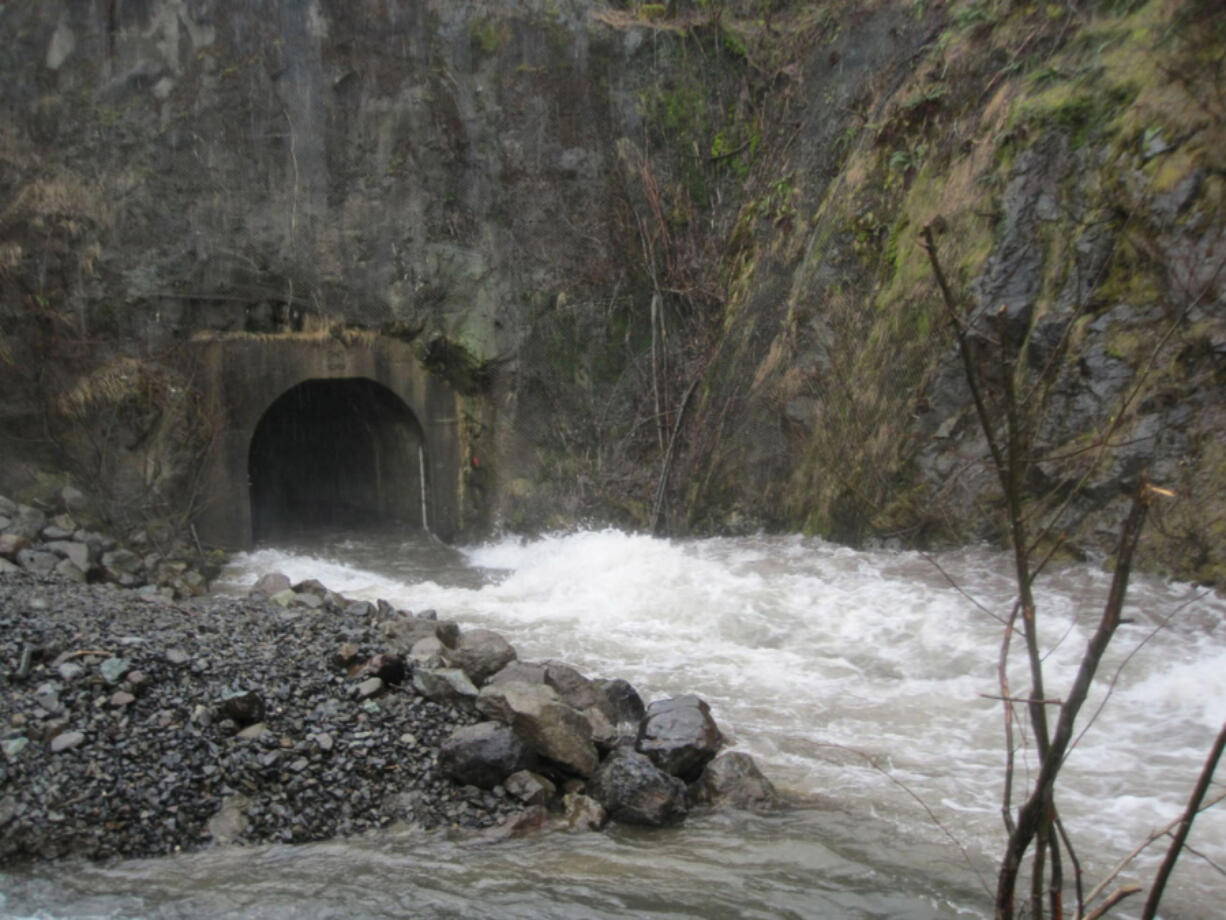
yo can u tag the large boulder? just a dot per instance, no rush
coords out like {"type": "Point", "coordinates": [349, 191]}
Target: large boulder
{"type": "Point", "coordinates": [620, 702]}
{"type": "Point", "coordinates": [554, 730]}
{"type": "Point", "coordinates": [79, 553]}
{"type": "Point", "coordinates": [519, 672]}
{"type": "Point", "coordinates": [481, 653]}
{"type": "Point", "coordinates": [734, 779]}
{"type": "Point", "coordinates": [403, 631]}
{"type": "Point", "coordinates": [680, 736]}
{"type": "Point", "coordinates": [26, 521]}
{"type": "Point", "coordinates": [633, 790]}
{"type": "Point", "coordinates": [616, 714]}
{"type": "Point", "coordinates": [484, 755]}
{"type": "Point", "coordinates": [271, 583]}
{"type": "Point", "coordinates": [573, 688]}
{"type": "Point", "coordinates": [443, 685]}
{"type": "Point", "coordinates": [37, 561]}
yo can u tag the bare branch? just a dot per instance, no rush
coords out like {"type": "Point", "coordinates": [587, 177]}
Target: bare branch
{"type": "Point", "coordinates": [1185, 825]}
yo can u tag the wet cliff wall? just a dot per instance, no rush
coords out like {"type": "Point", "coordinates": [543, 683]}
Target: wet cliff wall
{"type": "Point", "coordinates": [1069, 159]}
{"type": "Point", "coordinates": [646, 243]}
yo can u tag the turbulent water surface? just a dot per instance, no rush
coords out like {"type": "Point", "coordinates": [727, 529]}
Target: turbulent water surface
{"type": "Point", "coordinates": [861, 681]}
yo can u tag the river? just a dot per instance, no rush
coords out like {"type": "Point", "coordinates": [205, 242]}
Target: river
{"type": "Point", "coordinates": [860, 680]}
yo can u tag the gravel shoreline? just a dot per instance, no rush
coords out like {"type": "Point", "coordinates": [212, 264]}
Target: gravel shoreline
{"type": "Point", "coordinates": [116, 740]}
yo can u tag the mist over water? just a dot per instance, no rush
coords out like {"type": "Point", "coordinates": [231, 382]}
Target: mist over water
{"type": "Point", "coordinates": [861, 681]}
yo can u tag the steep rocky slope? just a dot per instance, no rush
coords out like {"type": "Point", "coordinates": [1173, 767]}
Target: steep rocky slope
{"type": "Point", "coordinates": [682, 244]}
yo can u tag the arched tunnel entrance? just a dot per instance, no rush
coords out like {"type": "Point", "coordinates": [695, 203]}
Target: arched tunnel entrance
{"type": "Point", "coordinates": [336, 453]}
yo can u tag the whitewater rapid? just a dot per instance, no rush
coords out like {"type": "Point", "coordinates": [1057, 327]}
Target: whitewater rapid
{"type": "Point", "coordinates": [859, 678]}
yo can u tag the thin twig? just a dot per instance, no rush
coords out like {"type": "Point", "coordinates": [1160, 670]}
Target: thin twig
{"type": "Point", "coordinates": [1116, 896]}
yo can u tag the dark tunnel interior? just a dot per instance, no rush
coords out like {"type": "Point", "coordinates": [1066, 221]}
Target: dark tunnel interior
{"type": "Point", "coordinates": [335, 453]}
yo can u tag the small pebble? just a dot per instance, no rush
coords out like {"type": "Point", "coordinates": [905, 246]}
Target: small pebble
{"type": "Point", "coordinates": [66, 742]}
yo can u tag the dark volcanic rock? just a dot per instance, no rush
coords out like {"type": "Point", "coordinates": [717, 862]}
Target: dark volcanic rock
{"type": "Point", "coordinates": [679, 736]}
{"type": "Point", "coordinates": [484, 755]}
{"type": "Point", "coordinates": [242, 708]}
{"type": "Point", "coordinates": [634, 790]}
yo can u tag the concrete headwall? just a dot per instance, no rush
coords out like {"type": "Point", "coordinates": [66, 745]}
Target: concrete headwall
{"type": "Point", "coordinates": [243, 375]}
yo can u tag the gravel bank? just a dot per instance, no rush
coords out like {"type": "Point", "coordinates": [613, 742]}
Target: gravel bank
{"type": "Point", "coordinates": [116, 740]}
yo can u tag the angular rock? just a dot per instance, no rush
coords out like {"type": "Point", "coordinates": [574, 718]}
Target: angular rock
{"type": "Point", "coordinates": [26, 521]}
{"type": "Point", "coordinates": [574, 689]}
{"type": "Point", "coordinates": [448, 632]}
{"type": "Point", "coordinates": [73, 500]}
{"type": "Point", "coordinates": [11, 544]}
{"type": "Point", "coordinates": [270, 584]}
{"type": "Point", "coordinates": [65, 568]}
{"type": "Point", "coordinates": [620, 702]}
{"type": "Point", "coordinates": [122, 562]}
{"type": "Point", "coordinates": [37, 561]}
{"type": "Point", "coordinates": [230, 822]}
{"type": "Point", "coordinates": [501, 701]}
{"type": "Point", "coordinates": [530, 788]}
{"type": "Point", "coordinates": [283, 598]}
{"type": "Point", "coordinates": [312, 586]}
{"type": "Point", "coordinates": [79, 553]}
{"type": "Point", "coordinates": [242, 708]}
{"type": "Point", "coordinates": [402, 632]}
{"type": "Point", "coordinates": [605, 734]}
{"type": "Point", "coordinates": [114, 669]}
{"type": "Point", "coordinates": [7, 567]}
{"type": "Point", "coordinates": [443, 685]}
{"type": "Point", "coordinates": [359, 609]}
{"type": "Point", "coordinates": [483, 755]}
{"type": "Point", "coordinates": [481, 653]}
{"type": "Point", "coordinates": [679, 736]}
{"type": "Point", "coordinates": [523, 672]}
{"type": "Point", "coordinates": [633, 790]}
{"type": "Point", "coordinates": [554, 730]}
{"type": "Point", "coordinates": [347, 655]}
{"type": "Point", "coordinates": [391, 669]}
{"type": "Point", "coordinates": [427, 652]}
{"type": "Point", "coordinates": [97, 542]}
{"type": "Point", "coordinates": [252, 732]}
{"type": "Point", "coordinates": [121, 698]}
{"type": "Point", "coordinates": [370, 687]}
{"type": "Point", "coordinates": [582, 813]}
{"type": "Point", "coordinates": [66, 741]}
{"type": "Point", "coordinates": [734, 779]}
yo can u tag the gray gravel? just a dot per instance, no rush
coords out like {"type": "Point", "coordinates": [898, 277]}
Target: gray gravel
{"type": "Point", "coordinates": [125, 726]}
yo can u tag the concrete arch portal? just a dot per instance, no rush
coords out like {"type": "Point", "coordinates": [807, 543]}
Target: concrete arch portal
{"type": "Point", "coordinates": [336, 453]}
{"type": "Point", "coordinates": [318, 431]}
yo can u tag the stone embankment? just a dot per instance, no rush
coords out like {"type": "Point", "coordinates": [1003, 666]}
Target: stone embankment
{"type": "Point", "coordinates": [140, 724]}
{"type": "Point", "coordinates": [65, 541]}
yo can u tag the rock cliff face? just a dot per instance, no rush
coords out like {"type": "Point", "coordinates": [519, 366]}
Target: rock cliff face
{"type": "Point", "coordinates": [638, 244]}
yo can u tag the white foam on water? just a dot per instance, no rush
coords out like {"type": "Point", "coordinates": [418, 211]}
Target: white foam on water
{"type": "Point", "coordinates": [820, 659]}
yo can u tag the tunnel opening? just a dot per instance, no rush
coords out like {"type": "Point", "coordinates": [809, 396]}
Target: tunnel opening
{"type": "Point", "coordinates": [339, 454]}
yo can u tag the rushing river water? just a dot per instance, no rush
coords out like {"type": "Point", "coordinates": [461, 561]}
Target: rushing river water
{"type": "Point", "coordinates": [859, 681]}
